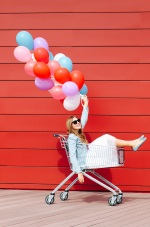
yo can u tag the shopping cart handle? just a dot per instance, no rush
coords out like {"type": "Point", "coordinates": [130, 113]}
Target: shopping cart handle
{"type": "Point", "coordinates": [56, 135]}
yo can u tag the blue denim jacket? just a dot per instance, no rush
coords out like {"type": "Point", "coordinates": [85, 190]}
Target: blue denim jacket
{"type": "Point", "coordinates": [76, 147]}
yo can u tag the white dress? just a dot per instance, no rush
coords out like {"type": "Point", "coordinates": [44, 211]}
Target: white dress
{"type": "Point", "coordinates": [102, 153]}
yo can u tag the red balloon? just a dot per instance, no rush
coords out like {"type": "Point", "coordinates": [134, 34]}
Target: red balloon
{"type": "Point", "coordinates": [41, 55]}
{"type": "Point", "coordinates": [62, 75]}
{"type": "Point", "coordinates": [41, 70]}
{"type": "Point", "coordinates": [78, 78]}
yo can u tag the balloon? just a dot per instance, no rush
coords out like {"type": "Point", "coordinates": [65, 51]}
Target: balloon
{"type": "Point", "coordinates": [51, 57]}
{"type": "Point", "coordinates": [71, 103]}
{"type": "Point", "coordinates": [58, 56]}
{"type": "Point", "coordinates": [40, 42]}
{"type": "Point", "coordinates": [70, 88]}
{"type": "Point", "coordinates": [84, 90]}
{"type": "Point", "coordinates": [44, 84]}
{"type": "Point", "coordinates": [22, 54]}
{"type": "Point", "coordinates": [24, 38]}
{"type": "Point", "coordinates": [41, 70]}
{"type": "Point", "coordinates": [53, 65]}
{"type": "Point", "coordinates": [56, 92]}
{"type": "Point", "coordinates": [41, 55]}
{"type": "Point", "coordinates": [65, 62]}
{"type": "Point", "coordinates": [78, 78]}
{"type": "Point", "coordinates": [29, 68]}
{"type": "Point", "coordinates": [62, 75]}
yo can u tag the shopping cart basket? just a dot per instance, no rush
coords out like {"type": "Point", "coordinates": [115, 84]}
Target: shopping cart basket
{"type": "Point", "coordinates": [94, 157]}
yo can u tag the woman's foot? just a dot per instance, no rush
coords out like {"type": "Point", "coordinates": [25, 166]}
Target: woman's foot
{"type": "Point", "coordinates": [138, 143]}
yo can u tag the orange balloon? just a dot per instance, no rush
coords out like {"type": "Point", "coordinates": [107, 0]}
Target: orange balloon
{"type": "Point", "coordinates": [78, 78]}
{"type": "Point", "coordinates": [41, 70]}
{"type": "Point", "coordinates": [41, 55]}
{"type": "Point", "coordinates": [62, 75]}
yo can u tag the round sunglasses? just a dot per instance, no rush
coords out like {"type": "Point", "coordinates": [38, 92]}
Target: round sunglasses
{"type": "Point", "coordinates": [76, 121]}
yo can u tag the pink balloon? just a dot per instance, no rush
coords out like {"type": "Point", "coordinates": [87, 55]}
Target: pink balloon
{"type": "Point", "coordinates": [53, 65]}
{"type": "Point", "coordinates": [56, 92]}
{"type": "Point", "coordinates": [29, 68]}
{"type": "Point", "coordinates": [22, 54]}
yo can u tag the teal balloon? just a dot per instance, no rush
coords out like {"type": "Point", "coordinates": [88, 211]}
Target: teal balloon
{"type": "Point", "coordinates": [83, 90]}
{"type": "Point", "coordinates": [51, 57]}
{"type": "Point", "coordinates": [25, 39]}
{"type": "Point", "coordinates": [66, 62]}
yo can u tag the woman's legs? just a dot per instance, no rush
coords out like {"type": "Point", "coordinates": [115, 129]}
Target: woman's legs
{"type": "Point", "coordinates": [109, 140]}
{"type": "Point", "coordinates": [129, 143]}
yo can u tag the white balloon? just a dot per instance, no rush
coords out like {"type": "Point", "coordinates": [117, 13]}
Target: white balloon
{"type": "Point", "coordinates": [71, 102]}
{"type": "Point", "coordinates": [58, 56]}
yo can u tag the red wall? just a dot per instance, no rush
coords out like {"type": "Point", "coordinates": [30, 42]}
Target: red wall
{"type": "Point", "coordinates": [109, 41]}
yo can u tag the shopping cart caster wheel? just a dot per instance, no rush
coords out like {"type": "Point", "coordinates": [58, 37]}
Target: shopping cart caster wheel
{"type": "Point", "coordinates": [119, 200]}
{"type": "Point", "coordinates": [112, 202]}
{"type": "Point", "coordinates": [64, 196]}
{"type": "Point", "coordinates": [49, 199]}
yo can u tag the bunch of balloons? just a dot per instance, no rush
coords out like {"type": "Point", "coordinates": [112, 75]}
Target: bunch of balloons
{"type": "Point", "coordinates": [52, 73]}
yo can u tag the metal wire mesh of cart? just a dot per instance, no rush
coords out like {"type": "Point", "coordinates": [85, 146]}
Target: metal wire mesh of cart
{"type": "Point", "coordinates": [96, 156]}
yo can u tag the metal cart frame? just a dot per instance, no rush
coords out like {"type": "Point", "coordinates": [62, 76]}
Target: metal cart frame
{"type": "Point", "coordinates": [117, 193]}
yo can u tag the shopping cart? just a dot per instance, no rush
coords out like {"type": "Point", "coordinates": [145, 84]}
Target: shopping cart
{"type": "Point", "coordinates": [95, 157]}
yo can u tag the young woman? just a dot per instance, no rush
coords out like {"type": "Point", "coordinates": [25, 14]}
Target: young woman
{"type": "Point", "coordinates": [77, 140]}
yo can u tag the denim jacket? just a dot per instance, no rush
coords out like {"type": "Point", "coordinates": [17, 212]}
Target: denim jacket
{"type": "Point", "coordinates": [76, 147]}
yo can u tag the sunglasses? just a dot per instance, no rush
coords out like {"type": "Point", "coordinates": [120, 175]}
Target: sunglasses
{"type": "Point", "coordinates": [76, 121]}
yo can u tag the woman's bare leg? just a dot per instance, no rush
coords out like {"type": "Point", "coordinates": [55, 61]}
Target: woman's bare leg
{"type": "Point", "coordinates": [127, 143]}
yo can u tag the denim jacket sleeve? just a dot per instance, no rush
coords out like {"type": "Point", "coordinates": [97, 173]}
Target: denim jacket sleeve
{"type": "Point", "coordinates": [72, 143]}
{"type": "Point", "coordinates": [84, 116]}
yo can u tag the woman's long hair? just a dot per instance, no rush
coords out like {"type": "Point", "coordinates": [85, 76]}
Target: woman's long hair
{"type": "Point", "coordinates": [78, 133]}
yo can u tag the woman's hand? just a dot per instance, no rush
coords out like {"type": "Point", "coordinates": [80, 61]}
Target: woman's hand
{"type": "Point", "coordinates": [85, 100]}
{"type": "Point", "coordinates": [80, 178]}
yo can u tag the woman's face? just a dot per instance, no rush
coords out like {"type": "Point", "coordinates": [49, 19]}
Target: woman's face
{"type": "Point", "coordinates": [76, 123]}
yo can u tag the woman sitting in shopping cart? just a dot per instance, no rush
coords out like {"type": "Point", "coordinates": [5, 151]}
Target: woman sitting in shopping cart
{"type": "Point", "coordinates": [77, 139]}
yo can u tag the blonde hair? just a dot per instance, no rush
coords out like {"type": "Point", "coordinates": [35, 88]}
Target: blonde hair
{"type": "Point", "coordinates": [78, 133]}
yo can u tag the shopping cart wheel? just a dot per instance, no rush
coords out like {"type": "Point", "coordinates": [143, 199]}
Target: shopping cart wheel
{"type": "Point", "coordinates": [49, 199]}
{"type": "Point", "coordinates": [112, 201]}
{"type": "Point", "coordinates": [64, 196]}
{"type": "Point", "coordinates": [119, 197]}
{"type": "Point", "coordinates": [119, 200]}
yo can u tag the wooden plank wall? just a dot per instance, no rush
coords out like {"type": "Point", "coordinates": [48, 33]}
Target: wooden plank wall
{"type": "Point", "coordinates": [109, 41]}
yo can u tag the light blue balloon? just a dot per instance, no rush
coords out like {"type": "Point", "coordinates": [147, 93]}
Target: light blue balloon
{"type": "Point", "coordinates": [24, 38]}
{"type": "Point", "coordinates": [83, 90]}
{"type": "Point", "coordinates": [66, 62]}
{"type": "Point", "coordinates": [51, 56]}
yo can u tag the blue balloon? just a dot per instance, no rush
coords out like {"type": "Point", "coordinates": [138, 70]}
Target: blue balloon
{"type": "Point", "coordinates": [83, 90]}
{"type": "Point", "coordinates": [51, 57]}
{"type": "Point", "coordinates": [66, 62]}
{"type": "Point", "coordinates": [24, 38]}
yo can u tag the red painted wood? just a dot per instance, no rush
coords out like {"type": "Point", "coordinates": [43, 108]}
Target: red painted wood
{"type": "Point", "coordinates": [123, 106]}
{"type": "Point", "coordinates": [91, 72]}
{"type": "Point", "coordinates": [82, 38]}
{"type": "Point", "coordinates": [103, 89]}
{"type": "Point", "coordinates": [132, 106]}
{"type": "Point", "coordinates": [33, 157]}
{"type": "Point", "coordinates": [46, 141]}
{"type": "Point", "coordinates": [76, 6]}
{"type": "Point", "coordinates": [99, 54]}
{"type": "Point", "coordinates": [54, 175]}
{"type": "Point", "coordinates": [95, 123]}
{"type": "Point", "coordinates": [112, 49]}
{"type": "Point", "coordinates": [57, 158]}
{"type": "Point", "coordinates": [80, 21]}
